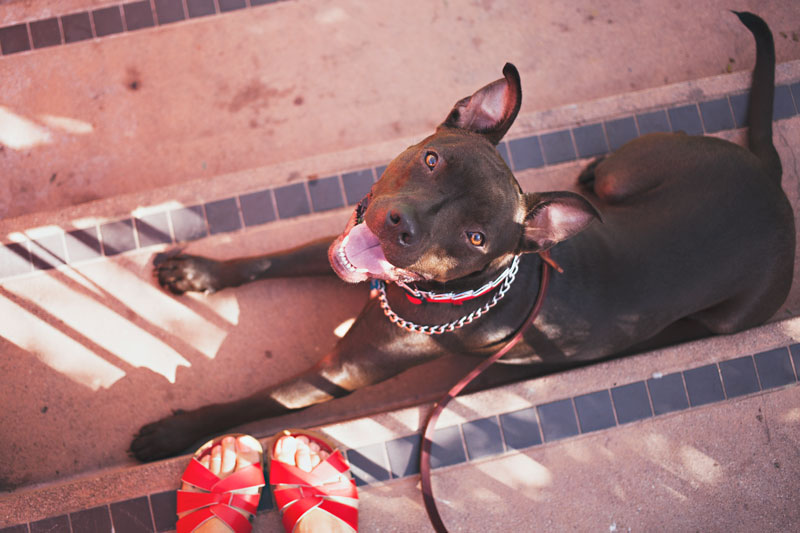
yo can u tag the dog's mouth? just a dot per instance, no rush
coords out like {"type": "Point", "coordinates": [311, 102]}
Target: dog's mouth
{"type": "Point", "coordinates": [356, 255]}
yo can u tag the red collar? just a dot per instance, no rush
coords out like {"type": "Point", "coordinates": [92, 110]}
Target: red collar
{"type": "Point", "coordinates": [417, 297]}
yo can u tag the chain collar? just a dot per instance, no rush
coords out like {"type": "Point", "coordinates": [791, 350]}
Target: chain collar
{"type": "Point", "coordinates": [458, 297]}
{"type": "Point", "coordinates": [506, 278]}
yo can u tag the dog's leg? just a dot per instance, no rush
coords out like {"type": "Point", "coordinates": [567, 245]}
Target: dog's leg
{"type": "Point", "coordinates": [180, 273]}
{"type": "Point", "coordinates": [368, 354]}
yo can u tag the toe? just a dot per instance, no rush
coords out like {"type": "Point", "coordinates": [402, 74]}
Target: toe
{"type": "Point", "coordinates": [228, 460]}
{"type": "Point", "coordinates": [285, 450]}
{"type": "Point", "coordinates": [303, 457]}
{"type": "Point", "coordinates": [216, 460]}
{"type": "Point", "coordinates": [247, 451]}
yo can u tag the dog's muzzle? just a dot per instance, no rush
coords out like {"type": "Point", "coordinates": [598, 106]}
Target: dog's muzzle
{"type": "Point", "coordinates": [356, 255]}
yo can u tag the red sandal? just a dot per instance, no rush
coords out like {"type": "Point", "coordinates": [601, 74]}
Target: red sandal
{"type": "Point", "coordinates": [220, 499]}
{"type": "Point", "coordinates": [300, 492]}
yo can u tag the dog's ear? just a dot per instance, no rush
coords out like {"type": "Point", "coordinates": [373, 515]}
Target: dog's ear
{"type": "Point", "coordinates": [554, 217]}
{"type": "Point", "coordinates": [491, 110]}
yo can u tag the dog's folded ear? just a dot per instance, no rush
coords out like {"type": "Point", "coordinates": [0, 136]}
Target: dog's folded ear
{"type": "Point", "coordinates": [554, 217]}
{"type": "Point", "coordinates": [492, 109]}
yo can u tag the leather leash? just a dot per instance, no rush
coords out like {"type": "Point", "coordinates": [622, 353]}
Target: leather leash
{"type": "Point", "coordinates": [427, 435]}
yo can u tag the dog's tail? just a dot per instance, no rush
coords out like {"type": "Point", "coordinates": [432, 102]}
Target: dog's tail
{"type": "Point", "coordinates": [762, 94]}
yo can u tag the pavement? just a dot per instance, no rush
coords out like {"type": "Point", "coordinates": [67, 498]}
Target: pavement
{"type": "Point", "coordinates": [243, 131]}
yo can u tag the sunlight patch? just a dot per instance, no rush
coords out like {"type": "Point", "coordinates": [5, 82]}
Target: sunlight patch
{"type": "Point", "coordinates": [518, 471]}
{"type": "Point", "coordinates": [702, 467]}
{"type": "Point", "coordinates": [96, 322]}
{"type": "Point", "coordinates": [792, 328]}
{"type": "Point", "coordinates": [19, 133]}
{"type": "Point", "coordinates": [342, 329]}
{"type": "Point", "coordinates": [56, 349]}
{"type": "Point", "coordinates": [67, 125]}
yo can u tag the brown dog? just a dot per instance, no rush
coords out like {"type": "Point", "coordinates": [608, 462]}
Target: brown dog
{"type": "Point", "coordinates": [694, 229]}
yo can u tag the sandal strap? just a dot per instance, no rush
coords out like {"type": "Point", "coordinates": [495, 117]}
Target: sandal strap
{"type": "Point", "coordinates": [201, 477]}
{"type": "Point", "coordinates": [245, 478]}
{"type": "Point", "coordinates": [232, 518]}
{"type": "Point", "coordinates": [296, 511]}
{"type": "Point", "coordinates": [191, 501]}
{"type": "Point", "coordinates": [341, 489]}
{"type": "Point", "coordinates": [286, 474]}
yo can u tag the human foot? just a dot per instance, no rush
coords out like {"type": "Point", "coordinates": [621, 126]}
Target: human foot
{"type": "Point", "coordinates": [223, 466]}
{"type": "Point", "coordinates": [310, 484]}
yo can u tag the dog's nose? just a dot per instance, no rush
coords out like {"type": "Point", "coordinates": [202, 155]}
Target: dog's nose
{"type": "Point", "coordinates": [402, 225]}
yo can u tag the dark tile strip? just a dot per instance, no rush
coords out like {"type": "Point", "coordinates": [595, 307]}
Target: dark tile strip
{"type": "Point", "coordinates": [774, 368]}
{"type": "Point", "coordinates": [95, 520]}
{"type": "Point", "coordinates": [621, 131]}
{"type": "Point", "coordinates": [77, 27]}
{"type": "Point", "coordinates": [368, 464]}
{"type": "Point", "coordinates": [686, 118]}
{"type": "Point", "coordinates": [21, 37]}
{"type": "Point", "coordinates": [717, 115]}
{"type": "Point", "coordinates": [200, 8]}
{"type": "Point", "coordinates": [21, 528]}
{"type": "Point", "coordinates": [703, 385]}
{"type": "Point", "coordinates": [132, 516]}
{"type": "Point", "coordinates": [164, 506]}
{"type": "Point", "coordinates": [590, 140]}
{"type": "Point", "coordinates": [169, 11]}
{"type": "Point", "coordinates": [231, 5]}
{"type": "Point", "coordinates": [739, 376]}
{"type": "Point", "coordinates": [48, 252]}
{"type": "Point", "coordinates": [595, 411]}
{"type": "Point", "coordinates": [653, 122]}
{"type": "Point", "coordinates": [56, 524]}
{"type": "Point", "coordinates": [631, 402]}
{"type": "Point", "coordinates": [558, 147]}
{"type": "Point", "coordinates": [521, 429]}
{"type": "Point", "coordinates": [46, 33]}
{"type": "Point", "coordinates": [483, 438]}
{"type": "Point", "coordinates": [794, 349]}
{"type": "Point", "coordinates": [138, 15]}
{"type": "Point", "coordinates": [14, 39]}
{"type": "Point", "coordinates": [667, 393]}
{"type": "Point", "coordinates": [403, 456]}
{"type": "Point", "coordinates": [107, 21]}
{"type": "Point", "coordinates": [558, 420]}
{"type": "Point", "coordinates": [502, 149]}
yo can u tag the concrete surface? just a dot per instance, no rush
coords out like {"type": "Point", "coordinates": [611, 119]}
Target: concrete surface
{"type": "Point", "coordinates": [198, 109]}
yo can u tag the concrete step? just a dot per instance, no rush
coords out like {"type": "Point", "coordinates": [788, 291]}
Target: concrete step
{"type": "Point", "coordinates": [702, 435]}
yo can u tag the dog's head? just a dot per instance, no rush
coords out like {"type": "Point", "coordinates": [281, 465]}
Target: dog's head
{"type": "Point", "coordinates": [449, 206]}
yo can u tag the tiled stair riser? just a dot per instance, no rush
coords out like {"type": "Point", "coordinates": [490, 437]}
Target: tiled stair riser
{"type": "Point", "coordinates": [111, 20]}
{"type": "Point", "coordinates": [339, 189]}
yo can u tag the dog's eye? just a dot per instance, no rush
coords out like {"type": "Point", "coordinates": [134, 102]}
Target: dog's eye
{"type": "Point", "coordinates": [431, 159]}
{"type": "Point", "coordinates": [476, 238]}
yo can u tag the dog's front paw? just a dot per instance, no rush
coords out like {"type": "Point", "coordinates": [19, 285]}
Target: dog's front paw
{"type": "Point", "coordinates": [180, 273]}
{"type": "Point", "coordinates": [165, 438]}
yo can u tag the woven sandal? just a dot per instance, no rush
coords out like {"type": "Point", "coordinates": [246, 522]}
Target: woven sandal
{"type": "Point", "coordinates": [327, 487]}
{"type": "Point", "coordinates": [221, 498]}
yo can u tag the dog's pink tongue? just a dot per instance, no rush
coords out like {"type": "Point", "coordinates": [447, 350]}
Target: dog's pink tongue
{"type": "Point", "coordinates": [364, 251]}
